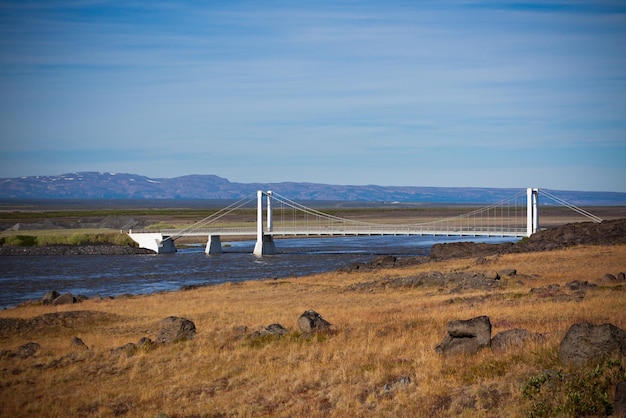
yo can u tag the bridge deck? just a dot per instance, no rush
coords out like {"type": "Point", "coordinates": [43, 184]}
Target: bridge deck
{"type": "Point", "coordinates": [357, 231]}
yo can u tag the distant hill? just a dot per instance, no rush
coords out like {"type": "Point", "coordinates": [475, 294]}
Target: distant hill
{"type": "Point", "coordinates": [95, 185]}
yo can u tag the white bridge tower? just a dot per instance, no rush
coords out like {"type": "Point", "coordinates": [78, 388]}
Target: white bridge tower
{"type": "Point", "coordinates": [264, 242]}
{"type": "Point", "coordinates": [532, 211]}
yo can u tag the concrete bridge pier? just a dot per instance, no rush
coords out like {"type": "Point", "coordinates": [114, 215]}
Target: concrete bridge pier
{"type": "Point", "coordinates": [265, 246]}
{"type": "Point", "coordinates": [213, 245]}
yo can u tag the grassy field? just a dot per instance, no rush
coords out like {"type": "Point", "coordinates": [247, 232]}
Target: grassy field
{"type": "Point", "coordinates": [378, 360]}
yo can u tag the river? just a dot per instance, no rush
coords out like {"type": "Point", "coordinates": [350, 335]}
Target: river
{"type": "Point", "coordinates": [25, 278]}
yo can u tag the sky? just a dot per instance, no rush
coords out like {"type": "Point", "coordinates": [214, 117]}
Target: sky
{"type": "Point", "coordinates": [394, 93]}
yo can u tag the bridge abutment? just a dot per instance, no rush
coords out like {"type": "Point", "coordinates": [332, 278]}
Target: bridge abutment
{"type": "Point", "coordinates": [214, 245]}
{"type": "Point", "coordinates": [154, 241]}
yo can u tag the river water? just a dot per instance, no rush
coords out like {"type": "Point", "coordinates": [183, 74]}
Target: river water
{"type": "Point", "coordinates": [30, 277]}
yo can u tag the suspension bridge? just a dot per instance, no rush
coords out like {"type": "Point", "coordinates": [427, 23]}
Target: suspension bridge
{"type": "Point", "coordinates": [278, 216]}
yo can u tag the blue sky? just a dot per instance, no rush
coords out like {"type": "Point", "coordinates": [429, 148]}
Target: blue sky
{"type": "Point", "coordinates": [404, 93]}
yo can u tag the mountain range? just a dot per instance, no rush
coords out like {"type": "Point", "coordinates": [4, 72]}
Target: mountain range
{"type": "Point", "coordinates": [98, 185]}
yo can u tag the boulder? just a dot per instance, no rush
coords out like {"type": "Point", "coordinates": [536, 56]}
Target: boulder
{"type": "Point", "coordinates": [548, 290]}
{"type": "Point", "coordinates": [78, 343]}
{"type": "Point", "coordinates": [611, 279]}
{"type": "Point", "coordinates": [450, 250]}
{"type": "Point", "coordinates": [128, 348]}
{"type": "Point", "coordinates": [608, 278]}
{"type": "Point", "coordinates": [466, 336]}
{"type": "Point", "coordinates": [145, 342]}
{"type": "Point", "coordinates": [579, 285]}
{"type": "Point", "coordinates": [479, 328]}
{"type": "Point", "coordinates": [454, 346]}
{"type": "Point", "coordinates": [619, 403]}
{"type": "Point", "coordinates": [510, 339]}
{"type": "Point", "coordinates": [49, 297]}
{"type": "Point", "coordinates": [507, 273]}
{"type": "Point", "coordinates": [175, 329]}
{"type": "Point", "coordinates": [586, 343]}
{"type": "Point", "coordinates": [64, 299]}
{"type": "Point", "coordinates": [27, 350]}
{"type": "Point", "coordinates": [383, 261]}
{"type": "Point", "coordinates": [274, 329]}
{"type": "Point", "coordinates": [311, 321]}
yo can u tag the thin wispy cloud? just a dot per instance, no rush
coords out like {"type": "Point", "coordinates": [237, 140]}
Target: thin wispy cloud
{"type": "Point", "coordinates": [335, 92]}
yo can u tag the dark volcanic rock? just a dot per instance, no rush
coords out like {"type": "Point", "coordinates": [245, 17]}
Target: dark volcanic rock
{"type": "Point", "coordinates": [174, 329]}
{"type": "Point", "coordinates": [28, 350]}
{"type": "Point", "coordinates": [78, 343]}
{"type": "Point", "coordinates": [619, 403]}
{"type": "Point", "coordinates": [460, 281]}
{"type": "Point", "coordinates": [581, 233]}
{"type": "Point", "coordinates": [274, 329]}
{"type": "Point", "coordinates": [611, 279]}
{"type": "Point", "coordinates": [510, 339]}
{"type": "Point", "coordinates": [64, 299]}
{"type": "Point", "coordinates": [507, 273]}
{"type": "Point", "coordinates": [450, 250]}
{"type": "Point", "coordinates": [479, 328]}
{"type": "Point", "coordinates": [586, 343]}
{"type": "Point", "coordinates": [311, 321]}
{"type": "Point", "coordinates": [104, 249]}
{"type": "Point", "coordinates": [384, 261]}
{"type": "Point", "coordinates": [49, 297]}
{"type": "Point", "coordinates": [579, 285]}
{"type": "Point", "coordinates": [144, 343]}
{"type": "Point", "coordinates": [466, 336]}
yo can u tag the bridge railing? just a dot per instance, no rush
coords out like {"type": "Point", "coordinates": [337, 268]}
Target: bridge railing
{"type": "Point", "coordinates": [395, 230]}
{"type": "Point", "coordinates": [351, 230]}
{"type": "Point", "coordinates": [211, 231]}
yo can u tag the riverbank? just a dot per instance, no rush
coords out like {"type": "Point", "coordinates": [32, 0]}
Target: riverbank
{"type": "Point", "coordinates": [52, 250]}
{"type": "Point", "coordinates": [377, 359]}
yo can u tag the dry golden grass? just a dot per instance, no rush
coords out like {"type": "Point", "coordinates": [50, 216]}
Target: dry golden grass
{"type": "Point", "coordinates": [379, 338]}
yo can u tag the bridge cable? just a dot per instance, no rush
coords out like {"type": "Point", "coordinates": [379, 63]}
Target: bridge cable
{"type": "Point", "coordinates": [583, 212]}
{"type": "Point", "coordinates": [213, 217]}
{"type": "Point", "coordinates": [308, 210]}
{"type": "Point", "coordinates": [311, 211]}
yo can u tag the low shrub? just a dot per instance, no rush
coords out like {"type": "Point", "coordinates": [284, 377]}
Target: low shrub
{"type": "Point", "coordinates": [76, 239]}
{"type": "Point", "coordinates": [20, 241]}
{"type": "Point", "coordinates": [582, 392]}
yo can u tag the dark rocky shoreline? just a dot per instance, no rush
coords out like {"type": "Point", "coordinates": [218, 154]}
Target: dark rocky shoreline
{"type": "Point", "coordinates": [612, 232]}
{"type": "Point", "coordinates": [583, 233]}
{"type": "Point", "coordinates": [102, 249]}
